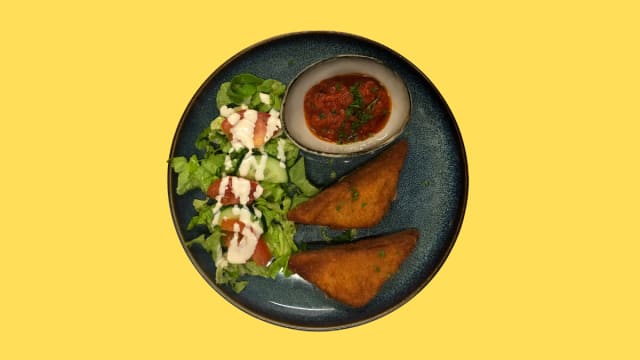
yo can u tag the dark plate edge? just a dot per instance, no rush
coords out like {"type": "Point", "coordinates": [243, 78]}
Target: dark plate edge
{"type": "Point", "coordinates": [296, 326]}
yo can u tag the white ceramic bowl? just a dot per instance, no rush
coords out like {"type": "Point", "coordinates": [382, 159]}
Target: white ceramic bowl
{"type": "Point", "coordinates": [293, 117]}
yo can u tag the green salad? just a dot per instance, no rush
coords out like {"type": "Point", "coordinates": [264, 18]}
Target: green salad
{"type": "Point", "coordinates": [248, 177]}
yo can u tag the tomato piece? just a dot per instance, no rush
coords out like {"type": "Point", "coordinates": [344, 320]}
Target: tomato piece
{"type": "Point", "coordinates": [228, 197]}
{"type": "Point", "coordinates": [226, 127]}
{"type": "Point", "coordinates": [226, 238]}
{"type": "Point", "coordinates": [230, 224]}
{"type": "Point", "coordinates": [259, 131]}
{"type": "Point", "coordinates": [262, 254]}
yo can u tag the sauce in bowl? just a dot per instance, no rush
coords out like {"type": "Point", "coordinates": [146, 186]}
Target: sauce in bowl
{"type": "Point", "coordinates": [345, 105]}
{"type": "Point", "coordinates": [347, 108]}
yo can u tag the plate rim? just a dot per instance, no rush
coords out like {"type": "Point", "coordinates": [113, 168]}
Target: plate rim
{"type": "Point", "coordinates": [462, 203]}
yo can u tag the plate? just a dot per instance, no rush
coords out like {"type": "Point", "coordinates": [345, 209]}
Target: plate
{"type": "Point", "coordinates": [432, 191]}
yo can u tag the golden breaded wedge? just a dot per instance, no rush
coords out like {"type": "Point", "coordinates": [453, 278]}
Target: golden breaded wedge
{"type": "Point", "coordinates": [360, 199]}
{"type": "Point", "coordinates": [353, 273]}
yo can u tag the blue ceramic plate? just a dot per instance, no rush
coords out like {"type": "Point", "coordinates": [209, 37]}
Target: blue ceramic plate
{"type": "Point", "coordinates": [432, 191]}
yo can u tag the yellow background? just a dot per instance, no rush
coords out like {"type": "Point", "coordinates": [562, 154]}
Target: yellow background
{"type": "Point", "coordinates": [546, 97]}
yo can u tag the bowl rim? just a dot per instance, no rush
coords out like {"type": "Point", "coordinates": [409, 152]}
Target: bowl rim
{"type": "Point", "coordinates": [375, 147]}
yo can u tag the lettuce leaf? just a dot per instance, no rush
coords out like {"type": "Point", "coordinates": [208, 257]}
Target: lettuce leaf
{"type": "Point", "coordinates": [222, 98]}
{"type": "Point", "coordinates": [230, 273]}
{"type": "Point", "coordinates": [298, 176]}
{"type": "Point", "coordinates": [279, 238]}
{"type": "Point", "coordinates": [191, 175]}
{"type": "Point", "coordinates": [245, 89]}
{"type": "Point", "coordinates": [204, 216]}
{"type": "Point", "coordinates": [291, 151]}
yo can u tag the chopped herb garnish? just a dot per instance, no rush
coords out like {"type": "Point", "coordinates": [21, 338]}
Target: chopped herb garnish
{"type": "Point", "coordinates": [426, 183]}
{"type": "Point", "coordinates": [357, 102]}
{"type": "Point", "coordinates": [324, 233]}
{"type": "Point", "coordinates": [354, 194]}
{"type": "Point", "coordinates": [358, 110]}
{"type": "Point", "coordinates": [332, 172]}
{"type": "Point", "coordinates": [341, 133]}
{"type": "Point", "coordinates": [363, 204]}
{"type": "Point", "coordinates": [381, 253]}
{"type": "Point", "coordinates": [372, 104]}
{"type": "Point", "coordinates": [377, 268]}
{"type": "Point", "coordinates": [346, 235]}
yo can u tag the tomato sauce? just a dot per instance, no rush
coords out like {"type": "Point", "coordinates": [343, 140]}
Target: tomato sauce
{"type": "Point", "coordinates": [347, 108]}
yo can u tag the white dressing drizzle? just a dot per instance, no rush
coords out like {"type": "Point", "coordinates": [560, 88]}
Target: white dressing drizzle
{"type": "Point", "coordinates": [216, 212]}
{"type": "Point", "coordinates": [242, 130]}
{"type": "Point", "coordinates": [257, 193]}
{"type": "Point", "coordinates": [250, 162]}
{"type": "Point", "coordinates": [273, 124]}
{"type": "Point", "coordinates": [243, 126]}
{"type": "Point", "coordinates": [234, 118]}
{"type": "Point", "coordinates": [241, 248]}
{"type": "Point", "coordinates": [241, 189]}
{"type": "Point", "coordinates": [228, 164]}
{"type": "Point", "coordinates": [281, 155]}
{"type": "Point", "coordinates": [224, 182]}
{"type": "Point", "coordinates": [265, 98]}
{"type": "Point", "coordinates": [260, 168]}
{"type": "Point", "coordinates": [226, 111]}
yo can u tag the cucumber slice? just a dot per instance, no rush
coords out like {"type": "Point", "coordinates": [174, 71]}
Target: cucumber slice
{"type": "Point", "coordinates": [228, 212]}
{"type": "Point", "coordinates": [270, 168]}
{"type": "Point", "coordinates": [222, 213]}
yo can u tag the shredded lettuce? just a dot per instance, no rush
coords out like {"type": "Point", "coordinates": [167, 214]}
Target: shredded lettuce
{"type": "Point", "coordinates": [246, 88]}
{"type": "Point", "coordinates": [194, 173]}
{"type": "Point", "coordinates": [222, 97]}
{"type": "Point", "coordinates": [204, 216]}
{"type": "Point", "coordinates": [211, 243]}
{"type": "Point", "coordinates": [197, 173]}
{"type": "Point", "coordinates": [297, 174]}
{"type": "Point", "coordinates": [291, 151]}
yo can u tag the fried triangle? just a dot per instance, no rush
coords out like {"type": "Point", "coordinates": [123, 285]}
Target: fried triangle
{"type": "Point", "coordinates": [360, 199]}
{"type": "Point", "coordinates": [354, 273]}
